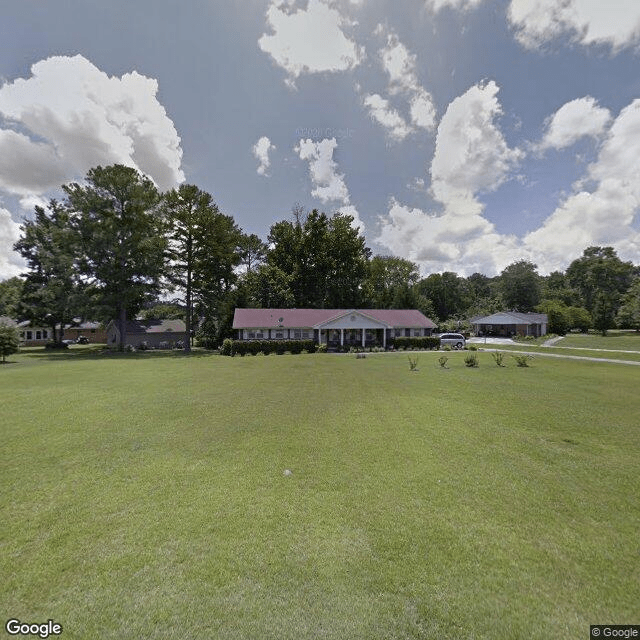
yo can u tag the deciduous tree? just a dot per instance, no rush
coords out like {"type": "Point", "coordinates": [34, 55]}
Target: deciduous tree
{"type": "Point", "coordinates": [123, 241]}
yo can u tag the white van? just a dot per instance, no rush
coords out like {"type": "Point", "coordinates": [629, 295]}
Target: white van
{"type": "Point", "coordinates": [454, 340]}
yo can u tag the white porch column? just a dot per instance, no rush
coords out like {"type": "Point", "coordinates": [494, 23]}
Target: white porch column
{"type": "Point", "coordinates": [342, 337]}
{"type": "Point", "coordinates": [384, 338]}
{"type": "Point", "coordinates": [363, 336]}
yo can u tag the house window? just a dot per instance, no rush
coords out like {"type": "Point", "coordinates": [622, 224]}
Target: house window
{"type": "Point", "coordinates": [298, 334]}
{"type": "Point", "coordinates": [279, 335]}
{"type": "Point", "coordinates": [22, 334]}
{"type": "Point", "coordinates": [259, 334]}
{"type": "Point", "coordinates": [29, 335]}
{"type": "Point", "coordinates": [38, 335]}
{"type": "Point", "coordinates": [417, 333]}
{"type": "Point", "coordinates": [251, 335]}
{"type": "Point", "coordinates": [45, 334]}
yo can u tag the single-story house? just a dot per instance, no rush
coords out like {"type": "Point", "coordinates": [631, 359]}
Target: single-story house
{"type": "Point", "coordinates": [511, 323]}
{"type": "Point", "coordinates": [160, 334]}
{"type": "Point", "coordinates": [94, 331]}
{"type": "Point", "coordinates": [333, 327]}
{"type": "Point", "coordinates": [34, 335]}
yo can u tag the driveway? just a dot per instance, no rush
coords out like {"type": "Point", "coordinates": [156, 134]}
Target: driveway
{"type": "Point", "coordinates": [490, 340]}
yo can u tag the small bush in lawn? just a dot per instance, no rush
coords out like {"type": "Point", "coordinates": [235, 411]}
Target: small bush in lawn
{"type": "Point", "coordinates": [523, 359]}
{"type": "Point", "coordinates": [498, 358]}
{"type": "Point", "coordinates": [442, 361]}
{"type": "Point", "coordinates": [413, 363]}
{"type": "Point", "coordinates": [359, 356]}
{"type": "Point", "coordinates": [227, 347]}
{"type": "Point", "coordinates": [472, 347]}
{"type": "Point", "coordinates": [471, 360]}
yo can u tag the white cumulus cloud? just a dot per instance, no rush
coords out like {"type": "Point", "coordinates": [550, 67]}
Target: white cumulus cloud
{"type": "Point", "coordinates": [471, 153]}
{"type": "Point", "coordinates": [384, 114]}
{"type": "Point", "coordinates": [261, 151]}
{"type": "Point", "coordinates": [436, 5]}
{"type": "Point", "coordinates": [471, 157]}
{"type": "Point", "coordinates": [615, 23]}
{"type": "Point", "coordinates": [11, 264]}
{"type": "Point", "coordinates": [400, 66]}
{"type": "Point", "coordinates": [574, 120]}
{"type": "Point", "coordinates": [329, 185]}
{"type": "Point", "coordinates": [69, 116]}
{"type": "Point", "coordinates": [309, 40]}
{"type": "Point", "coordinates": [604, 215]}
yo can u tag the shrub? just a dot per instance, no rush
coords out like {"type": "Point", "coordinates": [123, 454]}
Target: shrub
{"type": "Point", "coordinates": [522, 360]}
{"type": "Point", "coordinates": [56, 345]}
{"type": "Point", "coordinates": [227, 347]}
{"type": "Point", "coordinates": [9, 341]}
{"type": "Point", "coordinates": [424, 342]}
{"type": "Point", "coordinates": [471, 360]}
{"type": "Point", "coordinates": [472, 347]}
{"type": "Point", "coordinates": [498, 358]}
{"type": "Point", "coordinates": [322, 348]}
{"type": "Point", "coordinates": [447, 347]}
{"type": "Point", "coordinates": [413, 363]}
{"type": "Point", "coordinates": [442, 361]}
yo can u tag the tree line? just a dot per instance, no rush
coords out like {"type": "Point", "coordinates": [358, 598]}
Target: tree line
{"type": "Point", "coordinates": [115, 247]}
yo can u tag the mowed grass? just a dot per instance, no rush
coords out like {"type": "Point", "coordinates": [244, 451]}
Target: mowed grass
{"type": "Point", "coordinates": [145, 497]}
{"type": "Point", "coordinates": [617, 340]}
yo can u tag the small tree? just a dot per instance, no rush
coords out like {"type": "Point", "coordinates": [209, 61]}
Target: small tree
{"type": "Point", "coordinates": [9, 341]}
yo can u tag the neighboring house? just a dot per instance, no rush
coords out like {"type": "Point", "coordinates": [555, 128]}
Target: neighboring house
{"type": "Point", "coordinates": [160, 334]}
{"type": "Point", "coordinates": [333, 327]}
{"type": "Point", "coordinates": [33, 335]}
{"type": "Point", "coordinates": [94, 331]}
{"type": "Point", "coordinates": [510, 323]}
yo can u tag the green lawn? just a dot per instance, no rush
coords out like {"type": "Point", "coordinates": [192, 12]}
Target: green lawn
{"type": "Point", "coordinates": [145, 496]}
{"type": "Point", "coordinates": [623, 340]}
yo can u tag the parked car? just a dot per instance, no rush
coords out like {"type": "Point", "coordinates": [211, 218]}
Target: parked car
{"type": "Point", "coordinates": [455, 340]}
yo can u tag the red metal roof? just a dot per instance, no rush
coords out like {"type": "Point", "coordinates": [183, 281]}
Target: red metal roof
{"type": "Point", "coordinates": [307, 318]}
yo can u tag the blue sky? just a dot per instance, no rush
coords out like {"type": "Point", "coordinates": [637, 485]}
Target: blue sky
{"type": "Point", "coordinates": [460, 134]}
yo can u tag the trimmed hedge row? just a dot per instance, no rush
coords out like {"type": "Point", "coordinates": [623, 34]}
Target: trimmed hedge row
{"type": "Point", "coordinates": [427, 342]}
{"type": "Point", "coordinates": [244, 347]}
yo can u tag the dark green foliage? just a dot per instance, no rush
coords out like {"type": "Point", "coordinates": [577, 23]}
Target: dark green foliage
{"type": "Point", "coordinates": [522, 360]}
{"type": "Point", "coordinates": [498, 358]}
{"type": "Point", "coordinates": [227, 347]}
{"type": "Point", "coordinates": [51, 294]}
{"type": "Point", "coordinates": [629, 313]}
{"type": "Point", "coordinates": [413, 363]}
{"type": "Point", "coordinates": [10, 293]}
{"type": "Point", "coordinates": [269, 287]}
{"type": "Point", "coordinates": [56, 346]}
{"type": "Point", "coordinates": [389, 283]}
{"type": "Point", "coordinates": [9, 341]}
{"type": "Point", "coordinates": [520, 286]}
{"type": "Point", "coordinates": [442, 361]}
{"type": "Point", "coordinates": [253, 347]}
{"type": "Point", "coordinates": [599, 270]}
{"type": "Point", "coordinates": [426, 342]}
{"type": "Point", "coordinates": [123, 245]}
{"type": "Point", "coordinates": [325, 257]}
{"type": "Point", "coordinates": [164, 311]}
{"type": "Point", "coordinates": [448, 293]}
{"type": "Point", "coordinates": [471, 360]}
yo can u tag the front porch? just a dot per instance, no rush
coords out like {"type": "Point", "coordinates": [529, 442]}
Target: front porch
{"type": "Point", "coordinates": [341, 338]}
